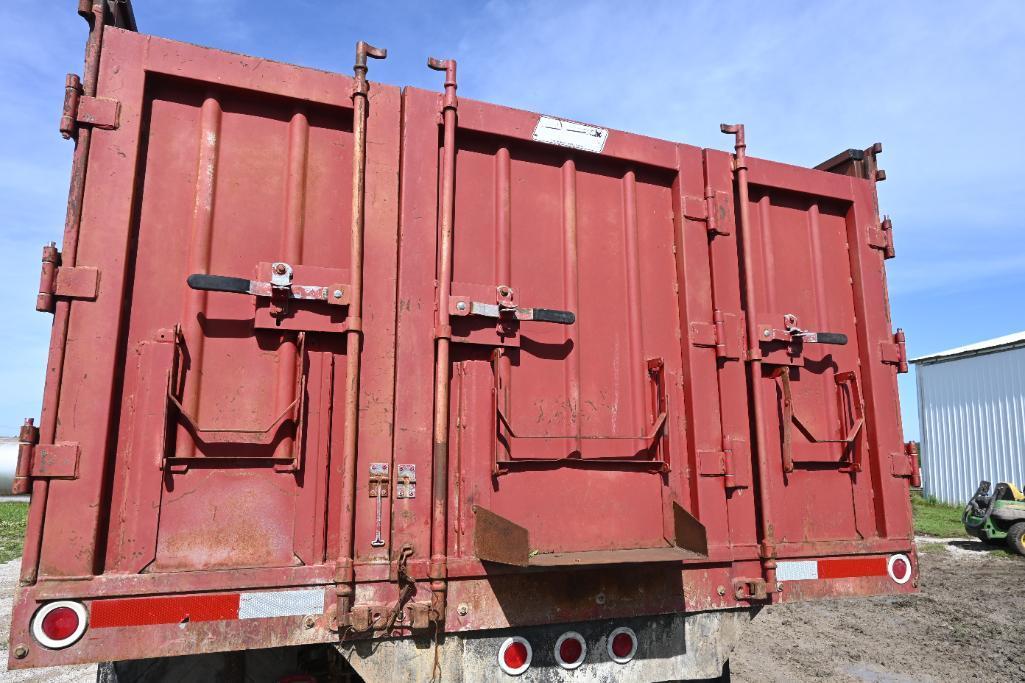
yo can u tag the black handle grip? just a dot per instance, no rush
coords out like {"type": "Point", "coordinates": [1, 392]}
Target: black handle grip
{"type": "Point", "coordinates": [218, 283]}
{"type": "Point", "coordinates": [547, 315]}
{"type": "Point", "coordinates": [831, 338]}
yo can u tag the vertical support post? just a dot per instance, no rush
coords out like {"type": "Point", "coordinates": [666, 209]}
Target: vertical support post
{"type": "Point", "coordinates": [344, 575]}
{"type": "Point", "coordinates": [439, 479]}
{"type": "Point", "coordinates": [767, 549]}
{"type": "Point", "coordinates": [94, 15]}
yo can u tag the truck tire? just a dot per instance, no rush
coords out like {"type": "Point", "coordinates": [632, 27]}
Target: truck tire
{"type": "Point", "coordinates": [1016, 537]}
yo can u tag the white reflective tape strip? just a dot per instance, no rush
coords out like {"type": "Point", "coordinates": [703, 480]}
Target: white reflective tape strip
{"type": "Point", "coordinates": [797, 571]}
{"type": "Point", "coordinates": [570, 134]}
{"type": "Point", "coordinates": [281, 603]}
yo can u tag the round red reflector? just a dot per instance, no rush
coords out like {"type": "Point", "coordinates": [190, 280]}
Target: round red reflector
{"type": "Point", "coordinates": [571, 650]}
{"type": "Point", "coordinates": [60, 623]}
{"type": "Point", "coordinates": [622, 644]}
{"type": "Point", "coordinates": [515, 655]}
{"type": "Point", "coordinates": [899, 568]}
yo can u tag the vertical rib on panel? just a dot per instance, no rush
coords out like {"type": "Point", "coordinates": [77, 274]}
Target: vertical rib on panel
{"type": "Point", "coordinates": [199, 262]}
{"type": "Point", "coordinates": [291, 253]}
{"type": "Point", "coordinates": [572, 288]}
{"type": "Point", "coordinates": [633, 302]}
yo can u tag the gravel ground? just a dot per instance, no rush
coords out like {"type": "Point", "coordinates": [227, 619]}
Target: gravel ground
{"type": "Point", "coordinates": [965, 624]}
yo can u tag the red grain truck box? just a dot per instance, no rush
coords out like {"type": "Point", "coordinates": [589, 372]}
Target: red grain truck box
{"type": "Point", "coordinates": [440, 387]}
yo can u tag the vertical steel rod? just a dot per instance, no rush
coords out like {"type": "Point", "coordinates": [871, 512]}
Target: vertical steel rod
{"type": "Point", "coordinates": [344, 575]}
{"type": "Point", "coordinates": [62, 308]}
{"type": "Point", "coordinates": [767, 549]}
{"type": "Point", "coordinates": [439, 477]}
{"type": "Point", "coordinates": [291, 252]}
{"type": "Point", "coordinates": [571, 285]}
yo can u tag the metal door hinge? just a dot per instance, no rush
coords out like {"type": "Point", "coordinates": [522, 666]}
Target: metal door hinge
{"type": "Point", "coordinates": [55, 280]}
{"type": "Point", "coordinates": [28, 437]}
{"type": "Point", "coordinates": [80, 109]}
{"type": "Point", "coordinates": [895, 352]}
{"type": "Point", "coordinates": [882, 238]}
{"type": "Point", "coordinates": [711, 208]}
{"type": "Point", "coordinates": [53, 461]}
{"type": "Point", "coordinates": [905, 464]}
{"type": "Point", "coordinates": [725, 333]}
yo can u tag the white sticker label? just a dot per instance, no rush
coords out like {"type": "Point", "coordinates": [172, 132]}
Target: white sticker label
{"type": "Point", "coordinates": [570, 134]}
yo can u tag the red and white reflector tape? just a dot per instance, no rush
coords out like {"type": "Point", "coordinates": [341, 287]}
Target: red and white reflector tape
{"type": "Point", "coordinates": [180, 609]}
{"type": "Point", "coordinates": [897, 567]}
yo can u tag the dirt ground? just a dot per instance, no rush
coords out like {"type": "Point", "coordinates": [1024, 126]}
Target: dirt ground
{"type": "Point", "coordinates": [967, 623]}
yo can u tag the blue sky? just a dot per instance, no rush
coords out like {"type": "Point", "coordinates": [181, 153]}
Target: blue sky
{"type": "Point", "coordinates": [939, 83]}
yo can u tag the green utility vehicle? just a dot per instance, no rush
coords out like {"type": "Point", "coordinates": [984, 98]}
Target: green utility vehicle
{"type": "Point", "coordinates": [994, 518]}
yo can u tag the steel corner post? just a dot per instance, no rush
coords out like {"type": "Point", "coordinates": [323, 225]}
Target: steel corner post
{"type": "Point", "coordinates": [94, 13]}
{"type": "Point", "coordinates": [344, 574]}
{"type": "Point", "coordinates": [767, 548]}
{"type": "Point", "coordinates": [443, 332]}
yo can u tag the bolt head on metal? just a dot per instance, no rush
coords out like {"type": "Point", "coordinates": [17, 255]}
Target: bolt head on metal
{"type": "Point", "coordinates": [463, 609]}
{"type": "Point", "coordinates": [461, 306]}
{"type": "Point", "coordinates": [337, 294]}
{"type": "Point", "coordinates": [721, 590]}
{"type": "Point", "coordinates": [20, 652]}
{"type": "Point", "coordinates": [766, 333]}
{"type": "Point", "coordinates": [280, 269]}
{"type": "Point", "coordinates": [309, 622]}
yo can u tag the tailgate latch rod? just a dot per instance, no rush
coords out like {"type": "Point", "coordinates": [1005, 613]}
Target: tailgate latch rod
{"type": "Point", "coordinates": [505, 308]}
{"type": "Point", "coordinates": [279, 288]}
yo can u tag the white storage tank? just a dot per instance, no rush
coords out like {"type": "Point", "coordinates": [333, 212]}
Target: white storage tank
{"type": "Point", "coordinates": [971, 404]}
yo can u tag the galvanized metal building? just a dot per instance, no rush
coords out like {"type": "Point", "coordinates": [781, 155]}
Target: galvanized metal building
{"type": "Point", "coordinates": [971, 405]}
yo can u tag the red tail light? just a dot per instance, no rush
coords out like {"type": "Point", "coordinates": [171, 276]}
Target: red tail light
{"type": "Point", "coordinates": [899, 568]}
{"type": "Point", "coordinates": [622, 645]}
{"type": "Point", "coordinates": [570, 650]}
{"type": "Point", "coordinates": [59, 624]}
{"type": "Point", "coordinates": [514, 656]}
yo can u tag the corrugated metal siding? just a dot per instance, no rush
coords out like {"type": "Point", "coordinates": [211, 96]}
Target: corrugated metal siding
{"type": "Point", "coordinates": [972, 413]}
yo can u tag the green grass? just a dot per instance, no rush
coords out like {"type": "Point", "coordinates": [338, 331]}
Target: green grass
{"type": "Point", "coordinates": [12, 529]}
{"type": "Point", "coordinates": [934, 518]}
